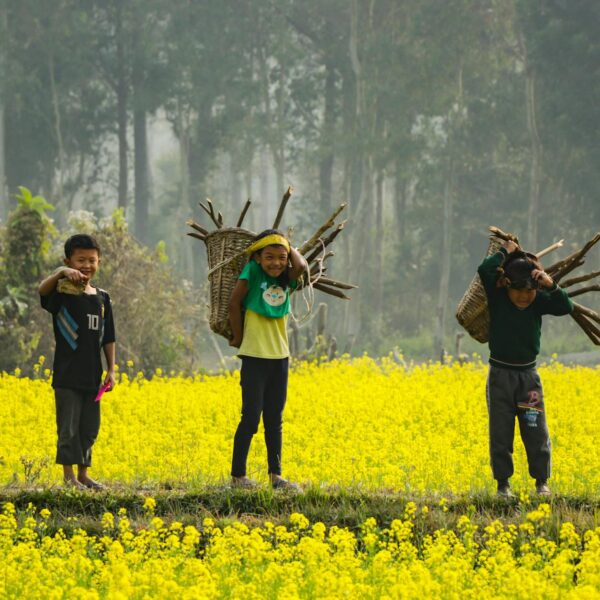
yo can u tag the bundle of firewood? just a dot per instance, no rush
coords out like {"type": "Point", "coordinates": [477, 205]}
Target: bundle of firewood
{"type": "Point", "coordinates": [472, 311]}
{"type": "Point", "coordinates": [226, 258]}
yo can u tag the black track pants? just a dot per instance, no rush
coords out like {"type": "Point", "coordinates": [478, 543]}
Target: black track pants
{"type": "Point", "coordinates": [512, 393]}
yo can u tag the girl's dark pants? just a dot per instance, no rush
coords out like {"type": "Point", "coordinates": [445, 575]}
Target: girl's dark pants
{"type": "Point", "coordinates": [77, 424]}
{"type": "Point", "coordinates": [264, 391]}
{"type": "Point", "coordinates": [512, 393]}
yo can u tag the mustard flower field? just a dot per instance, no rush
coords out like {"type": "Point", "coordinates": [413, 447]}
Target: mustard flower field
{"type": "Point", "coordinates": [301, 560]}
{"type": "Point", "coordinates": [353, 423]}
{"type": "Point", "coordinates": [362, 424]}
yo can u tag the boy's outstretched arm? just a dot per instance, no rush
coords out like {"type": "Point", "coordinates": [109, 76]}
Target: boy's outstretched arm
{"type": "Point", "coordinates": [109, 353]}
{"type": "Point", "coordinates": [235, 312]}
{"type": "Point", "coordinates": [299, 264]}
{"type": "Point", "coordinates": [49, 284]}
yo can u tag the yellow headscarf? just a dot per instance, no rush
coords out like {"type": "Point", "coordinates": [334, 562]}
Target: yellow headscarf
{"type": "Point", "coordinates": [269, 240]}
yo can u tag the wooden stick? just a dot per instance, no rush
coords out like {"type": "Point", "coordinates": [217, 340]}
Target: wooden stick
{"type": "Point", "coordinates": [320, 260]}
{"type": "Point", "coordinates": [583, 290]}
{"type": "Point", "coordinates": [326, 242]}
{"type": "Point", "coordinates": [566, 269]}
{"type": "Point", "coordinates": [560, 263]}
{"type": "Point", "coordinates": [197, 227]}
{"type": "Point", "coordinates": [282, 206]}
{"type": "Point", "coordinates": [220, 219]}
{"type": "Point", "coordinates": [331, 291]}
{"type": "Point", "coordinates": [310, 244]}
{"type": "Point", "coordinates": [580, 279]}
{"type": "Point", "coordinates": [243, 213]}
{"type": "Point", "coordinates": [209, 211]}
{"type": "Point", "coordinates": [336, 284]}
{"type": "Point", "coordinates": [198, 236]}
{"type": "Point", "coordinates": [588, 312]}
{"type": "Point", "coordinates": [550, 248]}
{"type": "Point", "coordinates": [578, 260]}
{"type": "Point", "coordinates": [589, 329]}
{"type": "Point", "coordinates": [497, 232]}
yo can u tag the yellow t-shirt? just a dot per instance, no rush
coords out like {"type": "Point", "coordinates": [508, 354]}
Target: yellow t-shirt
{"type": "Point", "coordinates": [264, 337]}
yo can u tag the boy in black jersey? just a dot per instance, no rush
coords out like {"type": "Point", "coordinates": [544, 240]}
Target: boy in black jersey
{"type": "Point", "coordinates": [519, 292]}
{"type": "Point", "coordinates": [83, 326]}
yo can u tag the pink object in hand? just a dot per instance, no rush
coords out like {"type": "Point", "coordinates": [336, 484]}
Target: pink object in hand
{"type": "Point", "coordinates": [102, 390]}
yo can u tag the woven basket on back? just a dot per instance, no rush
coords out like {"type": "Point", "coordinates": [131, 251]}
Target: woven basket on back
{"type": "Point", "coordinates": [221, 245]}
{"type": "Point", "coordinates": [472, 312]}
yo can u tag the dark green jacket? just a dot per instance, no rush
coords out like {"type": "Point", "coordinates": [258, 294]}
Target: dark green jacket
{"type": "Point", "coordinates": [515, 332]}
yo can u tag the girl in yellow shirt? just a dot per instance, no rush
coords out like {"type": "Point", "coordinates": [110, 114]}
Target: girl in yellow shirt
{"type": "Point", "coordinates": [263, 293]}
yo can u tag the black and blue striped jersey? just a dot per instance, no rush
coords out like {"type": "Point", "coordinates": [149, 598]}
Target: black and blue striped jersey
{"type": "Point", "coordinates": [83, 324]}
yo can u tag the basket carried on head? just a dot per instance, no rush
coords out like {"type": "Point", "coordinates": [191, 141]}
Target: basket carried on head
{"type": "Point", "coordinates": [472, 312]}
{"type": "Point", "coordinates": [221, 246]}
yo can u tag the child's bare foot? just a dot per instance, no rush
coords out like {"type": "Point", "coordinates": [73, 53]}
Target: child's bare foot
{"type": "Point", "coordinates": [89, 483]}
{"type": "Point", "coordinates": [243, 482]}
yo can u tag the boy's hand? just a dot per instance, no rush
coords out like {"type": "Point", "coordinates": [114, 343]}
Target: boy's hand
{"type": "Point", "coordinates": [74, 275]}
{"type": "Point", "coordinates": [509, 245]}
{"type": "Point", "coordinates": [542, 278]}
{"type": "Point", "coordinates": [110, 379]}
{"type": "Point", "coordinates": [235, 342]}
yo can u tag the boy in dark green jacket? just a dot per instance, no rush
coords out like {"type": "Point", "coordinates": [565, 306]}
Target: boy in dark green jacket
{"type": "Point", "coordinates": [519, 292]}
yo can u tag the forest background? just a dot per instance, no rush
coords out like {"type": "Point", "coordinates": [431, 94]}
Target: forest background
{"type": "Point", "coordinates": [433, 119]}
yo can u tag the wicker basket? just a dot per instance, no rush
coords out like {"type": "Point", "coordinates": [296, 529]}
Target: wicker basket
{"type": "Point", "coordinates": [472, 312]}
{"type": "Point", "coordinates": [221, 245]}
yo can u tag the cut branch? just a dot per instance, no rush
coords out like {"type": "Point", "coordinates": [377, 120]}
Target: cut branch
{"type": "Point", "coordinates": [210, 212]}
{"type": "Point", "coordinates": [311, 243]}
{"type": "Point", "coordinates": [588, 312]}
{"type": "Point", "coordinates": [577, 259]}
{"type": "Point", "coordinates": [550, 248]}
{"type": "Point", "coordinates": [282, 206]}
{"type": "Point", "coordinates": [583, 290]}
{"type": "Point", "coordinates": [243, 213]}
{"type": "Point", "coordinates": [198, 236]}
{"type": "Point", "coordinates": [507, 237]}
{"type": "Point", "coordinates": [336, 284]}
{"type": "Point", "coordinates": [324, 243]}
{"type": "Point", "coordinates": [197, 227]}
{"type": "Point", "coordinates": [553, 268]}
{"type": "Point", "coordinates": [331, 291]}
{"type": "Point", "coordinates": [589, 328]}
{"type": "Point", "coordinates": [580, 279]}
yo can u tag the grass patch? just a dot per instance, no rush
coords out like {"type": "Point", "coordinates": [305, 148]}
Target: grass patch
{"type": "Point", "coordinates": [349, 508]}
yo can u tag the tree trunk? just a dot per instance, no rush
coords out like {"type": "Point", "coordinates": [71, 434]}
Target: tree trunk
{"type": "Point", "coordinates": [121, 107]}
{"type": "Point", "coordinates": [535, 175]}
{"type": "Point", "coordinates": [400, 201]}
{"type": "Point", "coordinates": [187, 265]}
{"type": "Point", "coordinates": [442, 304]}
{"type": "Point", "coordinates": [60, 201]}
{"type": "Point", "coordinates": [141, 170]}
{"type": "Point", "coordinates": [326, 150]}
{"type": "Point", "coordinates": [378, 254]}
{"type": "Point", "coordinates": [3, 190]}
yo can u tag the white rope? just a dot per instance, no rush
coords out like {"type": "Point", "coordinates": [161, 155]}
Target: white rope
{"type": "Point", "coordinates": [308, 292]}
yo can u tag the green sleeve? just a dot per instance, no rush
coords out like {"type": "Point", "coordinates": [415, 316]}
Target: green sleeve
{"type": "Point", "coordinates": [248, 272]}
{"type": "Point", "coordinates": [555, 302]}
{"type": "Point", "coordinates": [488, 269]}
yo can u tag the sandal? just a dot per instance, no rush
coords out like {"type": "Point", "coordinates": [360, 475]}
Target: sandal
{"type": "Point", "coordinates": [284, 484]}
{"type": "Point", "coordinates": [243, 483]}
